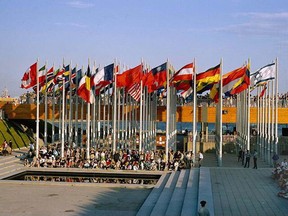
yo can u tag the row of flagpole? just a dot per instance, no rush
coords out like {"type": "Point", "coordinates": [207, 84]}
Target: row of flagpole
{"type": "Point", "coordinates": [267, 136]}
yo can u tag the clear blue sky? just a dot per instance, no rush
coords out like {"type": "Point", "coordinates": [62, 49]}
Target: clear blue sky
{"type": "Point", "coordinates": [129, 30]}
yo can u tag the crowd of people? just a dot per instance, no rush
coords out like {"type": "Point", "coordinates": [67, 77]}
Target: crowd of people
{"type": "Point", "coordinates": [280, 174]}
{"type": "Point", "coordinates": [124, 159]}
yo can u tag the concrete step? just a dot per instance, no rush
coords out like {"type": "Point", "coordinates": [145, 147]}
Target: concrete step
{"type": "Point", "coordinates": [7, 160]}
{"type": "Point", "coordinates": [205, 189]}
{"type": "Point", "coordinates": [176, 201]}
{"type": "Point", "coordinates": [190, 202]}
{"type": "Point", "coordinates": [13, 170]}
{"type": "Point", "coordinates": [164, 199]}
{"type": "Point", "coordinates": [151, 200]}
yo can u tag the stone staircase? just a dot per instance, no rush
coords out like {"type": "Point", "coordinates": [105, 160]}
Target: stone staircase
{"type": "Point", "coordinates": [176, 193]}
{"type": "Point", "coordinates": [10, 164]}
{"type": "Point", "coordinates": [179, 192]}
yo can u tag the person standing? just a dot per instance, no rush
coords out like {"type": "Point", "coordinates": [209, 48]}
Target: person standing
{"type": "Point", "coordinates": [247, 162]}
{"type": "Point", "coordinates": [240, 155]}
{"type": "Point", "coordinates": [203, 211]}
{"type": "Point", "coordinates": [255, 155]}
{"type": "Point", "coordinates": [275, 159]}
{"type": "Point", "coordinates": [243, 157]}
{"type": "Point", "coordinates": [200, 159]}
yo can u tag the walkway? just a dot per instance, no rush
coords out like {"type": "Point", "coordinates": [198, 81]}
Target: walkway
{"type": "Point", "coordinates": [244, 191]}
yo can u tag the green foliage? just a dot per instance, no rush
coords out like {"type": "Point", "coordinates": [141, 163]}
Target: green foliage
{"type": "Point", "coordinates": [11, 131]}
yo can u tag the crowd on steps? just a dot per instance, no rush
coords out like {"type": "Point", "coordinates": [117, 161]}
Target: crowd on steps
{"type": "Point", "coordinates": [124, 159]}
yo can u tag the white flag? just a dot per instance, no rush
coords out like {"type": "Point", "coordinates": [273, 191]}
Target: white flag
{"type": "Point", "coordinates": [263, 75]}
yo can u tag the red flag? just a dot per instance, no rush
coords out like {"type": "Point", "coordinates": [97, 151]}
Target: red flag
{"type": "Point", "coordinates": [30, 77]}
{"type": "Point", "coordinates": [130, 77]}
{"type": "Point", "coordinates": [156, 78]}
{"type": "Point", "coordinates": [263, 91]}
{"type": "Point", "coordinates": [233, 83]}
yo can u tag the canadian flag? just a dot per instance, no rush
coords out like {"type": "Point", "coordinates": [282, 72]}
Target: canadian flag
{"type": "Point", "coordinates": [30, 77]}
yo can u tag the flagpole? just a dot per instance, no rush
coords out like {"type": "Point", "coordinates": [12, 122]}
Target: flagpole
{"type": "Point", "coordinates": [63, 117]}
{"type": "Point", "coordinates": [126, 119]}
{"type": "Point", "coordinates": [258, 123]}
{"type": "Point", "coordinates": [46, 108]}
{"type": "Point", "coordinates": [114, 111]}
{"type": "Point", "coordinates": [53, 110]}
{"type": "Point", "coordinates": [122, 119]}
{"type": "Point", "coordinates": [167, 114]}
{"type": "Point", "coordinates": [248, 113]}
{"type": "Point", "coordinates": [37, 111]}
{"type": "Point", "coordinates": [130, 121]}
{"type": "Point", "coordinates": [118, 106]}
{"type": "Point", "coordinates": [70, 139]}
{"type": "Point", "coordinates": [269, 123]}
{"type": "Point", "coordinates": [262, 128]}
{"type": "Point", "coordinates": [276, 106]}
{"type": "Point", "coordinates": [220, 114]}
{"type": "Point", "coordinates": [76, 108]}
{"type": "Point", "coordinates": [194, 78]}
{"type": "Point", "coordinates": [141, 118]}
{"type": "Point", "coordinates": [88, 122]}
{"type": "Point", "coordinates": [108, 115]}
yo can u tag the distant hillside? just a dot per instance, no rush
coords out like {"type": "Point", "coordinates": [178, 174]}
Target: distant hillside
{"type": "Point", "coordinates": [18, 134]}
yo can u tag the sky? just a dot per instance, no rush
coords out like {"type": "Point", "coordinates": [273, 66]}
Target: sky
{"type": "Point", "coordinates": [75, 31]}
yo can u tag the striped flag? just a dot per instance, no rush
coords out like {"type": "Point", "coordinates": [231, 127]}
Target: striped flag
{"type": "Point", "coordinates": [206, 80]}
{"type": "Point", "coordinates": [262, 75]}
{"type": "Point", "coordinates": [135, 91]}
{"type": "Point", "coordinates": [182, 80]}
{"type": "Point", "coordinates": [85, 87]}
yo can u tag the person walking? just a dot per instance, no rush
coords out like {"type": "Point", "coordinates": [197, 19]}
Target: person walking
{"type": "Point", "coordinates": [203, 211]}
{"type": "Point", "coordinates": [200, 158]}
{"type": "Point", "coordinates": [255, 155]}
{"type": "Point", "coordinates": [247, 162]}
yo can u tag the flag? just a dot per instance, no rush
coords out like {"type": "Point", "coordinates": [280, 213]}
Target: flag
{"type": "Point", "coordinates": [263, 91]}
{"type": "Point", "coordinates": [76, 77]}
{"type": "Point", "coordinates": [182, 80]}
{"type": "Point", "coordinates": [41, 78]}
{"type": "Point", "coordinates": [29, 78]}
{"type": "Point", "coordinates": [47, 78]}
{"type": "Point", "coordinates": [206, 80]}
{"type": "Point", "coordinates": [242, 84]}
{"type": "Point", "coordinates": [53, 80]}
{"type": "Point", "coordinates": [183, 76]}
{"type": "Point", "coordinates": [262, 75]}
{"type": "Point", "coordinates": [185, 93]}
{"type": "Point", "coordinates": [156, 78]}
{"type": "Point", "coordinates": [232, 83]}
{"type": "Point", "coordinates": [135, 91]}
{"type": "Point", "coordinates": [103, 78]}
{"type": "Point", "coordinates": [129, 77]}
{"type": "Point", "coordinates": [42, 75]}
{"type": "Point", "coordinates": [85, 89]}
